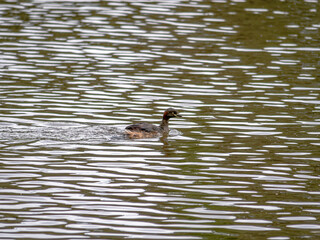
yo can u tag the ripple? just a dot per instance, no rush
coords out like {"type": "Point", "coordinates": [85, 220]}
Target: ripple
{"type": "Point", "coordinates": [240, 161]}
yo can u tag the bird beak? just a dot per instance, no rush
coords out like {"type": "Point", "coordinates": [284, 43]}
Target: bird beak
{"type": "Point", "coordinates": [178, 115]}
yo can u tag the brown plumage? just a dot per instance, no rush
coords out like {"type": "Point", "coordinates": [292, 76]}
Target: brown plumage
{"type": "Point", "coordinates": [148, 130]}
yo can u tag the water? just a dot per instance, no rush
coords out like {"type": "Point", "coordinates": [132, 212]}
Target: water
{"type": "Point", "coordinates": [242, 163]}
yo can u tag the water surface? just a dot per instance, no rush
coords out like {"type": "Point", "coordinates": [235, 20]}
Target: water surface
{"type": "Point", "coordinates": [242, 163]}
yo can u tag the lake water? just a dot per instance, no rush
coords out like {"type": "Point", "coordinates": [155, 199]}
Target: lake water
{"type": "Point", "coordinates": [242, 163]}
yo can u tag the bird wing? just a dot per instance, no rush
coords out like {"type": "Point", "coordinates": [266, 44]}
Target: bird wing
{"type": "Point", "coordinates": [146, 127]}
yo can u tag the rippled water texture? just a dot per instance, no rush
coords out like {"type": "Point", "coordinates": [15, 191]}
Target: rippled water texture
{"type": "Point", "coordinates": [242, 163]}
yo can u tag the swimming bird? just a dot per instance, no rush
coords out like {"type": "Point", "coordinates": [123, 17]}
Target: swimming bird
{"type": "Point", "coordinates": [148, 130]}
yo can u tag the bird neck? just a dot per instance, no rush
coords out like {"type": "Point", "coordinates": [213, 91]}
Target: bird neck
{"type": "Point", "coordinates": [164, 126]}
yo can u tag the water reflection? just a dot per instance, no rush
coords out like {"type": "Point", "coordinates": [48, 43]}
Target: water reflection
{"type": "Point", "coordinates": [242, 163]}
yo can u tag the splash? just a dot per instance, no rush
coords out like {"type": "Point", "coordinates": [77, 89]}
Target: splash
{"type": "Point", "coordinates": [88, 133]}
